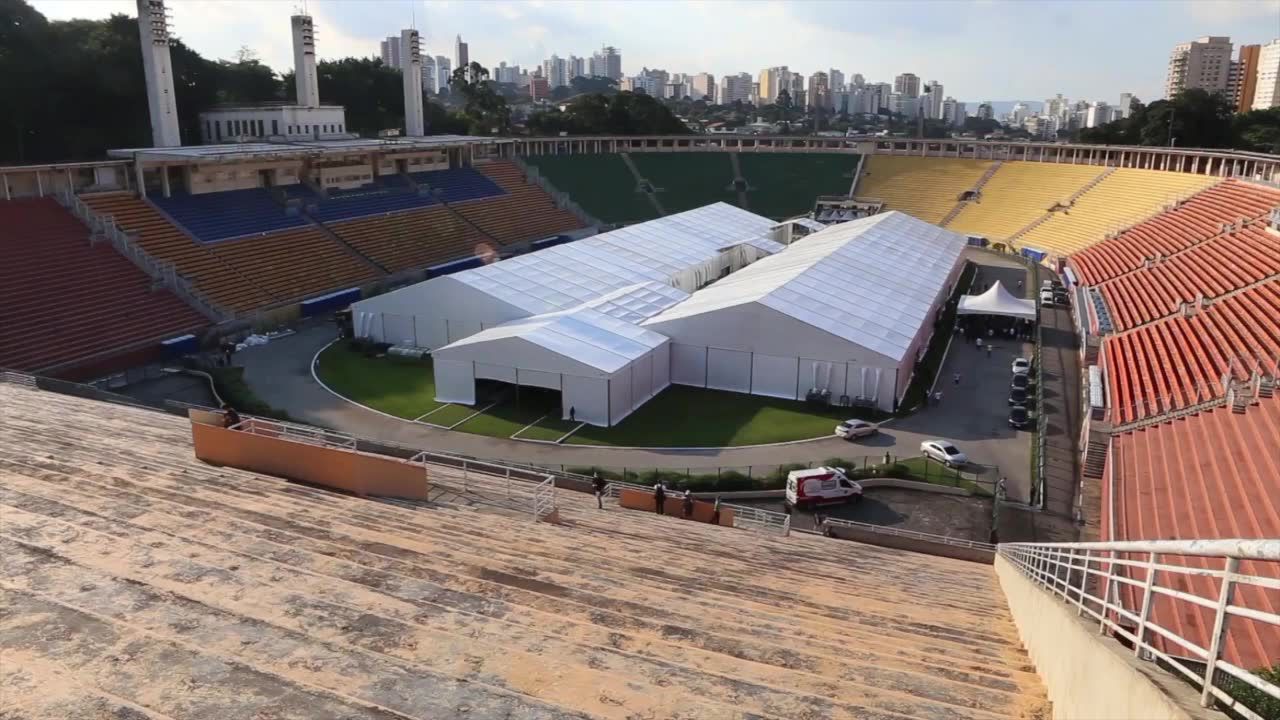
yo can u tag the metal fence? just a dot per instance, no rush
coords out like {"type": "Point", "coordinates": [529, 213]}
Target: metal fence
{"type": "Point", "coordinates": [759, 520]}
{"type": "Point", "coordinates": [296, 433]}
{"type": "Point", "coordinates": [1097, 577]}
{"type": "Point", "coordinates": [544, 498]}
{"type": "Point", "coordinates": [913, 534]}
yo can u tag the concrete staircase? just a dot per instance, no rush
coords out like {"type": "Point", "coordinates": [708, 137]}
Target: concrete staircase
{"type": "Point", "coordinates": [178, 589]}
{"type": "Point", "coordinates": [975, 192]}
{"type": "Point", "coordinates": [738, 177]}
{"type": "Point", "coordinates": [640, 182]}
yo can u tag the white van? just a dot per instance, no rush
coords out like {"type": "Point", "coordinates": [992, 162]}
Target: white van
{"type": "Point", "coordinates": [821, 486]}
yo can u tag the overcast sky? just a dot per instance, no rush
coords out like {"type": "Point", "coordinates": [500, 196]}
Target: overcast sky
{"type": "Point", "coordinates": [980, 49]}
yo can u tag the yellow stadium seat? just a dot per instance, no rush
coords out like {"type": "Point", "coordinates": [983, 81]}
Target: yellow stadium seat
{"type": "Point", "coordinates": [926, 187]}
{"type": "Point", "coordinates": [1017, 194]}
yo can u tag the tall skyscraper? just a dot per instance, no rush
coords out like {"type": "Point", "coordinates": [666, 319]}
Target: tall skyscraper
{"type": "Point", "coordinates": [857, 80]}
{"type": "Point", "coordinates": [772, 81]}
{"type": "Point", "coordinates": [430, 78]}
{"type": "Point", "coordinates": [607, 62]}
{"type": "Point", "coordinates": [836, 80]}
{"type": "Point", "coordinates": [933, 107]}
{"type": "Point", "coordinates": [735, 87]}
{"type": "Point", "coordinates": [1056, 106]}
{"type": "Point", "coordinates": [1245, 82]}
{"type": "Point", "coordinates": [985, 111]}
{"type": "Point", "coordinates": [907, 85]}
{"type": "Point", "coordinates": [1099, 114]}
{"type": "Point", "coordinates": [703, 85]}
{"type": "Point", "coordinates": [391, 51]}
{"type": "Point", "coordinates": [556, 71]}
{"type": "Point", "coordinates": [577, 67]}
{"type": "Point", "coordinates": [953, 112]}
{"type": "Point", "coordinates": [819, 90]}
{"type": "Point", "coordinates": [444, 73]}
{"type": "Point", "coordinates": [505, 73]}
{"type": "Point", "coordinates": [1266, 93]}
{"type": "Point", "coordinates": [1125, 108]}
{"type": "Point", "coordinates": [1204, 63]}
{"type": "Point", "coordinates": [461, 56]}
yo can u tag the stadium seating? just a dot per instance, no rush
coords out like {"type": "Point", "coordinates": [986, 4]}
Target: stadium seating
{"type": "Point", "coordinates": [273, 599]}
{"type": "Point", "coordinates": [687, 180]}
{"type": "Point", "coordinates": [388, 193]}
{"type": "Point", "coordinates": [1211, 268]}
{"type": "Point", "coordinates": [1121, 199]}
{"type": "Point", "coordinates": [1017, 194]}
{"type": "Point", "coordinates": [414, 239]}
{"type": "Point", "coordinates": [458, 184]}
{"type": "Point", "coordinates": [1198, 219]}
{"type": "Point", "coordinates": [234, 213]}
{"type": "Point", "coordinates": [926, 187]}
{"type": "Point", "coordinates": [784, 185]}
{"type": "Point", "coordinates": [64, 300]}
{"type": "Point", "coordinates": [1180, 361]}
{"type": "Point", "coordinates": [601, 184]}
{"type": "Point", "coordinates": [164, 241]}
{"type": "Point", "coordinates": [1209, 475]}
{"type": "Point", "coordinates": [526, 212]}
{"type": "Point", "coordinates": [294, 264]}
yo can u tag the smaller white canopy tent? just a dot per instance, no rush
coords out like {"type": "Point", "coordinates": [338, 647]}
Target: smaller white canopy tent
{"type": "Point", "coordinates": [997, 301]}
{"type": "Point", "coordinates": [604, 367]}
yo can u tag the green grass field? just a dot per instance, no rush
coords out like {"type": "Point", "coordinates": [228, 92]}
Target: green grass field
{"type": "Point", "coordinates": [687, 180]}
{"type": "Point", "coordinates": [786, 184]}
{"type": "Point", "coordinates": [601, 184]}
{"type": "Point", "coordinates": [403, 389]}
{"type": "Point", "coordinates": [678, 417]}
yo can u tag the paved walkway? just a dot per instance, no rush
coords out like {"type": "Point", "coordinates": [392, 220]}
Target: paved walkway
{"type": "Point", "coordinates": [280, 373]}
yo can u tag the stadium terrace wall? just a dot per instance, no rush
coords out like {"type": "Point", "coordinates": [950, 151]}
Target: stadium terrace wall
{"type": "Point", "coordinates": [1218, 163]}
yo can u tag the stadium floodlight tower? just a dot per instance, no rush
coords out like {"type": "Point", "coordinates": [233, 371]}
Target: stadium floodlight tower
{"type": "Point", "coordinates": [153, 31]}
{"type": "Point", "coordinates": [411, 69]}
{"type": "Point", "coordinates": [304, 61]}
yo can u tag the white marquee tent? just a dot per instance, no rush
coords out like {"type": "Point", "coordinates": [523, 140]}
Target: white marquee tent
{"type": "Point", "coordinates": [683, 252]}
{"type": "Point", "coordinates": [844, 310]}
{"type": "Point", "coordinates": [997, 301]}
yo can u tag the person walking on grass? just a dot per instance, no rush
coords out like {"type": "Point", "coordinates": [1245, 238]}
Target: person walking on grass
{"type": "Point", "coordinates": [597, 484]}
{"type": "Point", "coordinates": [659, 498]}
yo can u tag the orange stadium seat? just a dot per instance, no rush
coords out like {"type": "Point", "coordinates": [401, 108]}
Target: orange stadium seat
{"type": "Point", "coordinates": [293, 264]}
{"type": "Point", "coordinates": [413, 239]}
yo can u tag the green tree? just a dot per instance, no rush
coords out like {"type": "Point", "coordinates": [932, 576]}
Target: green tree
{"type": "Point", "coordinates": [785, 105]}
{"type": "Point", "coordinates": [1257, 130]}
{"type": "Point", "coordinates": [482, 103]}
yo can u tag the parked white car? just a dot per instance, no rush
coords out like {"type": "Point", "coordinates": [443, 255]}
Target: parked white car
{"type": "Point", "coordinates": [944, 452]}
{"type": "Point", "coordinates": [807, 489]}
{"type": "Point", "coordinates": [1046, 297]}
{"type": "Point", "coordinates": [853, 429]}
{"type": "Point", "coordinates": [1021, 366]}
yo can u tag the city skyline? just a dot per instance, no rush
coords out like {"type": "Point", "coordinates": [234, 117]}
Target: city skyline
{"type": "Point", "coordinates": [980, 50]}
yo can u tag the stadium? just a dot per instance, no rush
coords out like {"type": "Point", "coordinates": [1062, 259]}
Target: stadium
{"type": "Point", "coordinates": [472, 358]}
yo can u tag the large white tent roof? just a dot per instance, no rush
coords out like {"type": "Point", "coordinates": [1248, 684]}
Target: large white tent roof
{"type": "Point", "coordinates": [584, 335]}
{"type": "Point", "coordinates": [872, 281]}
{"type": "Point", "coordinates": [569, 275]}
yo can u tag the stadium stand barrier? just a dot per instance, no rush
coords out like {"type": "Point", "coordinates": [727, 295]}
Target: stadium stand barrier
{"type": "Point", "coordinates": [1118, 584]}
{"type": "Point", "coordinates": [162, 272]}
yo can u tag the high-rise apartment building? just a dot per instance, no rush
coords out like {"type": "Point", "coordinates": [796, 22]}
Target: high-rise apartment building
{"type": "Point", "coordinates": [1056, 106]}
{"type": "Point", "coordinates": [1204, 63]}
{"type": "Point", "coordinates": [857, 80]}
{"type": "Point", "coordinates": [556, 71]}
{"type": "Point", "coordinates": [577, 67]}
{"type": "Point", "coordinates": [953, 112]}
{"type": "Point", "coordinates": [932, 106]}
{"type": "Point", "coordinates": [461, 56]}
{"type": "Point", "coordinates": [1099, 114]}
{"type": "Point", "coordinates": [986, 111]}
{"type": "Point", "coordinates": [505, 73]}
{"type": "Point", "coordinates": [444, 73]}
{"type": "Point", "coordinates": [1019, 113]}
{"type": "Point", "coordinates": [907, 85]}
{"type": "Point", "coordinates": [836, 78]}
{"type": "Point", "coordinates": [772, 81]}
{"type": "Point", "coordinates": [390, 51]}
{"type": "Point", "coordinates": [734, 88]}
{"type": "Point", "coordinates": [607, 62]}
{"type": "Point", "coordinates": [819, 90]}
{"type": "Point", "coordinates": [1244, 80]}
{"type": "Point", "coordinates": [1266, 92]}
{"type": "Point", "coordinates": [703, 85]}
{"type": "Point", "coordinates": [430, 78]}
{"type": "Point", "coordinates": [1125, 108]}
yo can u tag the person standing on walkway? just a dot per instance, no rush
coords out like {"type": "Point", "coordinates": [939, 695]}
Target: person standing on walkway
{"type": "Point", "coordinates": [688, 505]}
{"type": "Point", "coordinates": [956, 378]}
{"type": "Point", "coordinates": [659, 498]}
{"type": "Point", "coordinates": [715, 513]}
{"type": "Point", "coordinates": [988, 349]}
{"type": "Point", "coordinates": [597, 483]}
{"type": "Point", "coordinates": [573, 412]}
{"type": "Point", "coordinates": [937, 397]}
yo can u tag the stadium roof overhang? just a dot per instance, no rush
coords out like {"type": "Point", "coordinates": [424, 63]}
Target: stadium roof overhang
{"type": "Point", "coordinates": [275, 151]}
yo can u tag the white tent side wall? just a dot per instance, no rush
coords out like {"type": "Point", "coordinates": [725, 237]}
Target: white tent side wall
{"type": "Point", "coordinates": [775, 376]}
{"type": "Point", "coordinates": [455, 381]}
{"type": "Point", "coordinates": [430, 314]}
{"type": "Point", "coordinates": [589, 398]}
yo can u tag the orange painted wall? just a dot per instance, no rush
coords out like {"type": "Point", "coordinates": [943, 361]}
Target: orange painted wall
{"type": "Point", "coordinates": [702, 511]}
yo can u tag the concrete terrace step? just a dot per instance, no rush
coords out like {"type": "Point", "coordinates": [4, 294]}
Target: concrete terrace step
{"type": "Point", "coordinates": [360, 608]}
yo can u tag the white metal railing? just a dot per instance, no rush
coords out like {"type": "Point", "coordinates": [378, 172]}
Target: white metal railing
{"type": "Point", "coordinates": [296, 433]}
{"type": "Point", "coordinates": [1095, 577]}
{"type": "Point", "coordinates": [913, 534]}
{"type": "Point", "coordinates": [163, 272]}
{"type": "Point", "coordinates": [752, 518]}
{"type": "Point", "coordinates": [544, 498]}
{"type": "Point", "coordinates": [18, 378]}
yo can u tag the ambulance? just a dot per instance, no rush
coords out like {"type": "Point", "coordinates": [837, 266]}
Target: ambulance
{"type": "Point", "coordinates": [821, 486]}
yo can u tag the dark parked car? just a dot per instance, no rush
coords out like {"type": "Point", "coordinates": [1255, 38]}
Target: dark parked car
{"type": "Point", "coordinates": [1021, 382]}
{"type": "Point", "coordinates": [1018, 396]}
{"type": "Point", "coordinates": [1019, 417]}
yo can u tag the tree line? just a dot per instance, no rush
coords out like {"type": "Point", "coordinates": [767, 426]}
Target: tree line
{"type": "Point", "coordinates": [1191, 119]}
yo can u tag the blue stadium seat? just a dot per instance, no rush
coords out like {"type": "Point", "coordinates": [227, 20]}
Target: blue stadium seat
{"type": "Point", "coordinates": [459, 184]}
{"type": "Point", "coordinates": [222, 215]}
